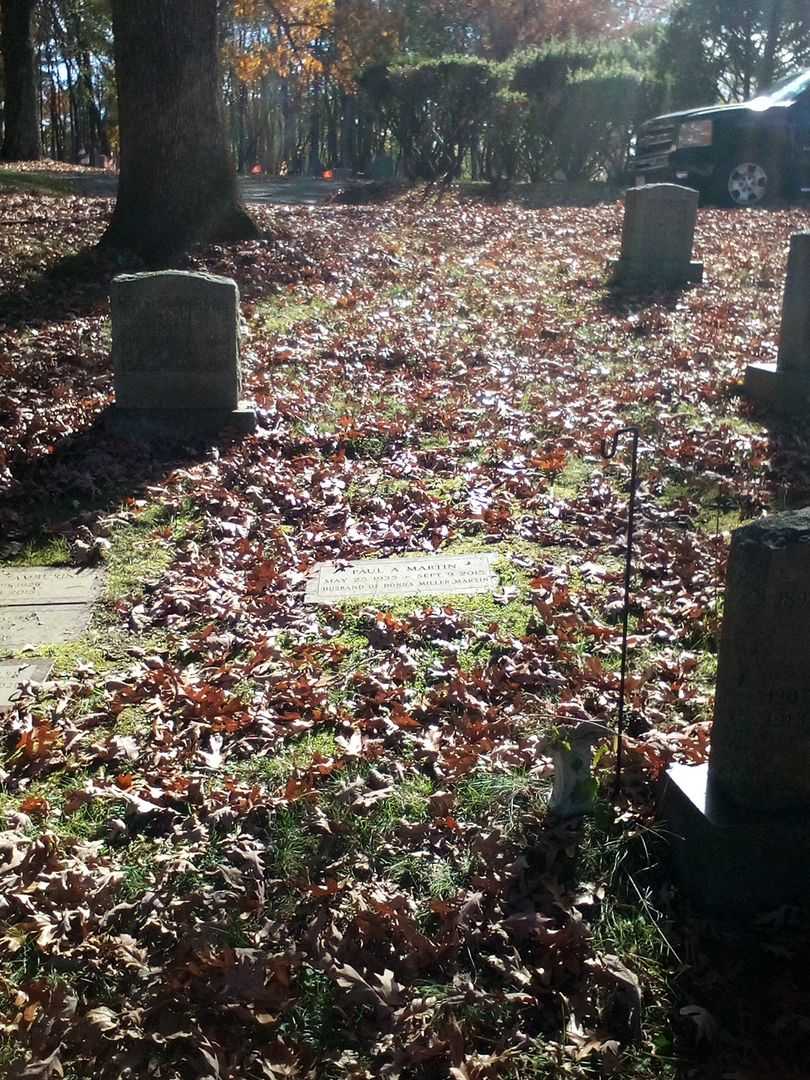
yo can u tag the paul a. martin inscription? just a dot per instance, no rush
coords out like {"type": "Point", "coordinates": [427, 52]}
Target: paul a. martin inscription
{"type": "Point", "coordinates": [441, 575]}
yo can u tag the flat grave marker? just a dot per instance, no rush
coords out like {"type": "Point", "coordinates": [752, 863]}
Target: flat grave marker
{"type": "Point", "coordinates": [45, 605]}
{"type": "Point", "coordinates": [14, 672]}
{"type": "Point", "coordinates": [438, 575]}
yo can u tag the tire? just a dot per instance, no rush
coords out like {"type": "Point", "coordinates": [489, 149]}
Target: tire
{"type": "Point", "coordinates": [753, 181]}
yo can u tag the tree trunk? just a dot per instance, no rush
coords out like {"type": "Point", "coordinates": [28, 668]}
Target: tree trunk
{"type": "Point", "coordinates": [22, 140]}
{"type": "Point", "coordinates": [775, 17]}
{"type": "Point", "coordinates": [177, 184]}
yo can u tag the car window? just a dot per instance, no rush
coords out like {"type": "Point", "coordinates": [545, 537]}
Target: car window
{"type": "Point", "coordinates": [797, 86]}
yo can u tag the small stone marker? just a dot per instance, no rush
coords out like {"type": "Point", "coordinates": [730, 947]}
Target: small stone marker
{"type": "Point", "coordinates": [574, 789]}
{"type": "Point", "coordinates": [743, 820]}
{"type": "Point", "coordinates": [657, 237]}
{"type": "Point", "coordinates": [785, 385]}
{"type": "Point", "coordinates": [44, 605]}
{"type": "Point", "coordinates": [14, 672]}
{"type": "Point", "coordinates": [427, 576]}
{"type": "Point", "coordinates": [175, 349]}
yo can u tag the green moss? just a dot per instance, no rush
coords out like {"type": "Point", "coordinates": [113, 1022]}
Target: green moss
{"type": "Point", "coordinates": [437, 441]}
{"type": "Point", "coordinates": [68, 655]}
{"type": "Point", "coordinates": [446, 487]}
{"type": "Point", "coordinates": [384, 489]}
{"type": "Point", "coordinates": [105, 646]}
{"type": "Point", "coordinates": [134, 720]}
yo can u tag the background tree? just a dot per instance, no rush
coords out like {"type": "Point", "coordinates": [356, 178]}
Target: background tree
{"type": "Point", "coordinates": [77, 79]}
{"type": "Point", "coordinates": [729, 49]}
{"type": "Point", "coordinates": [177, 185]}
{"type": "Point", "coordinates": [21, 138]}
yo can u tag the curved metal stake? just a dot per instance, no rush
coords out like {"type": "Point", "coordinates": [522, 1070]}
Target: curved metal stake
{"type": "Point", "coordinates": [609, 448]}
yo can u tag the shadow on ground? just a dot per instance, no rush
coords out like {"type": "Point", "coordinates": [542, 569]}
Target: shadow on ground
{"type": "Point", "coordinates": [77, 284]}
{"type": "Point", "coordinates": [87, 475]}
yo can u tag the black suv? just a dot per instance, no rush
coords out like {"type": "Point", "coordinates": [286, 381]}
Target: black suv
{"type": "Point", "coordinates": [747, 154]}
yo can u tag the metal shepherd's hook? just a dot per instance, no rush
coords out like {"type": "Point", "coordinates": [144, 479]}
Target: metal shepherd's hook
{"type": "Point", "coordinates": [609, 448]}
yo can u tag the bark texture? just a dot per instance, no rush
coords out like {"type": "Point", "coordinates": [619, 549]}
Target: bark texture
{"type": "Point", "coordinates": [21, 135]}
{"type": "Point", "coordinates": [177, 184]}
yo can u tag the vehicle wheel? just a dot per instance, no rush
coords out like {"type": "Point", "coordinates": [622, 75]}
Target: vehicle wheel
{"type": "Point", "coordinates": [750, 183]}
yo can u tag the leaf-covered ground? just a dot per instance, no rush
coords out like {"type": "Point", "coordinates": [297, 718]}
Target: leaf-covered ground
{"type": "Point", "coordinates": [245, 838]}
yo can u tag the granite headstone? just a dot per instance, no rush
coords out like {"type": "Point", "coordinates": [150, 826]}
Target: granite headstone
{"type": "Point", "coordinates": [785, 385]}
{"type": "Point", "coordinates": [176, 357]}
{"type": "Point", "coordinates": [741, 822]}
{"type": "Point", "coordinates": [657, 236]}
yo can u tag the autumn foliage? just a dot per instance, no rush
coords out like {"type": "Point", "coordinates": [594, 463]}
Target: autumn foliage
{"type": "Point", "coordinates": [245, 837]}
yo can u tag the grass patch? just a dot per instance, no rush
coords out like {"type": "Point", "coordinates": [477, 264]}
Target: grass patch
{"type": "Point", "coordinates": [46, 802]}
{"type": "Point", "coordinates": [41, 183]}
{"type": "Point", "coordinates": [291, 845]}
{"type": "Point", "coordinates": [44, 551]}
{"type": "Point", "coordinates": [137, 864]}
{"type": "Point", "coordinates": [629, 867]}
{"type": "Point", "coordinates": [572, 478]}
{"type": "Point", "coordinates": [315, 1019]}
{"type": "Point", "coordinates": [280, 314]}
{"type": "Point", "coordinates": [499, 797]}
{"type": "Point", "coordinates": [274, 771]}
{"type": "Point", "coordinates": [140, 552]}
{"type": "Point", "coordinates": [440, 879]}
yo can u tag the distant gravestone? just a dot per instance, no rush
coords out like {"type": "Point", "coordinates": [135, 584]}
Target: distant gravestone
{"type": "Point", "coordinates": [15, 672]}
{"type": "Point", "coordinates": [786, 385]}
{"type": "Point", "coordinates": [382, 167]}
{"type": "Point", "coordinates": [742, 821]}
{"type": "Point", "coordinates": [657, 237]}
{"type": "Point", "coordinates": [440, 575]}
{"type": "Point", "coordinates": [175, 350]}
{"type": "Point", "coordinates": [44, 605]}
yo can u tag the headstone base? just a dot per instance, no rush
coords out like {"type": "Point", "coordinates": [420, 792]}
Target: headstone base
{"type": "Point", "coordinates": [727, 860]}
{"type": "Point", "coordinates": [784, 391]}
{"type": "Point", "coordinates": [179, 424]}
{"type": "Point", "coordinates": [638, 275]}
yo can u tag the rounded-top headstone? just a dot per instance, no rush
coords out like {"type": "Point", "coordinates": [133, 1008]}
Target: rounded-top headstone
{"type": "Point", "coordinates": [175, 341]}
{"type": "Point", "coordinates": [760, 755]}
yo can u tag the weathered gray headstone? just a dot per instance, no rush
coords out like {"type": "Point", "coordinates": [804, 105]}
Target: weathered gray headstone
{"type": "Point", "coordinates": [175, 350]}
{"type": "Point", "coordinates": [742, 820]}
{"type": "Point", "coordinates": [14, 672]}
{"type": "Point", "coordinates": [657, 237]}
{"type": "Point", "coordinates": [45, 605]}
{"type": "Point", "coordinates": [786, 384]}
{"type": "Point", "coordinates": [438, 575]}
